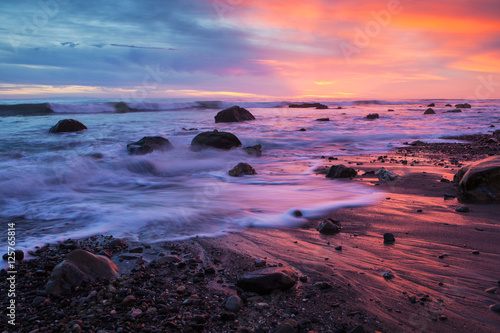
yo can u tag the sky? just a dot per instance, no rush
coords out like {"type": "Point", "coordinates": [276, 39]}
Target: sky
{"type": "Point", "coordinates": [250, 49]}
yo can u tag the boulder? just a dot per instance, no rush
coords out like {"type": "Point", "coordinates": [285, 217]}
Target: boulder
{"type": "Point", "coordinates": [329, 227]}
{"type": "Point", "coordinates": [454, 111]}
{"type": "Point", "coordinates": [341, 171]}
{"type": "Point", "coordinates": [480, 180]}
{"type": "Point", "coordinates": [373, 116]}
{"type": "Point", "coordinates": [308, 105]}
{"type": "Point", "coordinates": [254, 150]}
{"type": "Point", "coordinates": [431, 105]}
{"type": "Point", "coordinates": [215, 139]}
{"type": "Point", "coordinates": [264, 281]}
{"type": "Point", "coordinates": [233, 114]}
{"type": "Point", "coordinates": [429, 111]}
{"type": "Point", "coordinates": [148, 144]}
{"type": "Point", "coordinates": [79, 266]}
{"type": "Point", "coordinates": [463, 106]}
{"type": "Point", "coordinates": [242, 169]}
{"type": "Point", "coordinates": [67, 125]}
{"type": "Point", "coordinates": [448, 105]}
{"type": "Point", "coordinates": [385, 175]}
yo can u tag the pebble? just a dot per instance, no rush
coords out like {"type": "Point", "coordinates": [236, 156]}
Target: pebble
{"type": "Point", "coordinates": [387, 275]}
{"type": "Point", "coordinates": [475, 252]}
{"type": "Point", "coordinates": [389, 238]}
{"type": "Point", "coordinates": [260, 263]}
{"type": "Point", "coordinates": [338, 248]}
{"type": "Point", "coordinates": [234, 303]}
{"type": "Point", "coordinates": [462, 209]}
{"type": "Point", "coordinates": [492, 290]}
{"type": "Point", "coordinates": [129, 300]}
{"type": "Point", "coordinates": [322, 285]}
{"type": "Point", "coordinates": [495, 307]}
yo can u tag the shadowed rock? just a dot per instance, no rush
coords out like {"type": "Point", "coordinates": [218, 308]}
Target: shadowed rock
{"type": "Point", "coordinates": [254, 150]}
{"type": "Point", "coordinates": [79, 266]}
{"type": "Point", "coordinates": [454, 111]}
{"type": "Point", "coordinates": [148, 144]}
{"type": "Point", "coordinates": [323, 119]}
{"type": "Point", "coordinates": [480, 180]}
{"type": "Point", "coordinates": [385, 175]}
{"type": "Point", "coordinates": [215, 139]}
{"type": "Point", "coordinates": [242, 169]}
{"type": "Point", "coordinates": [341, 171]}
{"type": "Point", "coordinates": [329, 227]}
{"type": "Point", "coordinates": [233, 114]}
{"type": "Point", "coordinates": [373, 116]}
{"type": "Point", "coordinates": [429, 111]}
{"type": "Point", "coordinates": [67, 125]}
{"type": "Point", "coordinates": [431, 105]}
{"type": "Point", "coordinates": [463, 106]}
{"type": "Point", "coordinates": [308, 105]}
{"type": "Point", "coordinates": [266, 280]}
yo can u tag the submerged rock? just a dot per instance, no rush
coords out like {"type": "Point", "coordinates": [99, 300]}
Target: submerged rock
{"type": "Point", "coordinates": [454, 111]}
{"type": "Point", "coordinates": [341, 171]}
{"type": "Point", "coordinates": [308, 105]}
{"type": "Point", "coordinates": [385, 175]}
{"type": "Point", "coordinates": [122, 107]}
{"type": "Point", "coordinates": [329, 227]}
{"type": "Point", "coordinates": [215, 139]}
{"type": "Point", "coordinates": [323, 119]}
{"type": "Point", "coordinates": [79, 266]}
{"type": "Point", "coordinates": [148, 144]}
{"type": "Point", "coordinates": [373, 116]}
{"type": "Point", "coordinates": [254, 150]}
{"type": "Point", "coordinates": [431, 105]}
{"type": "Point", "coordinates": [233, 114]}
{"type": "Point", "coordinates": [429, 111]}
{"type": "Point", "coordinates": [242, 169]}
{"type": "Point", "coordinates": [480, 180]}
{"type": "Point", "coordinates": [266, 280]}
{"type": "Point", "coordinates": [67, 125]}
{"type": "Point", "coordinates": [463, 106]}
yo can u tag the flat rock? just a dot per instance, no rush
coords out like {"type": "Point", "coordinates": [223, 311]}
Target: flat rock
{"type": "Point", "coordinates": [480, 180]}
{"type": "Point", "coordinates": [373, 116]}
{"type": "Point", "coordinates": [67, 125]}
{"type": "Point", "coordinates": [215, 139]}
{"type": "Point", "coordinates": [323, 119]}
{"type": "Point", "coordinates": [463, 106]}
{"type": "Point", "coordinates": [308, 105]}
{"type": "Point", "coordinates": [341, 171]}
{"type": "Point", "coordinates": [266, 280]}
{"type": "Point", "coordinates": [233, 114]}
{"type": "Point", "coordinates": [79, 266]}
{"type": "Point", "coordinates": [454, 111]}
{"type": "Point", "coordinates": [385, 175]}
{"type": "Point", "coordinates": [148, 144]}
{"type": "Point", "coordinates": [242, 169]}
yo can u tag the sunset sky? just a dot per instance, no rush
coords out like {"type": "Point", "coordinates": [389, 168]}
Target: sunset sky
{"type": "Point", "coordinates": [252, 49]}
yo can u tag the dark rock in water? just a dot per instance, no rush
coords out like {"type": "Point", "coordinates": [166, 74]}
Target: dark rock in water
{"type": "Point", "coordinates": [141, 167]}
{"type": "Point", "coordinates": [266, 280]}
{"type": "Point", "coordinates": [79, 266]}
{"type": "Point", "coordinates": [254, 150]}
{"type": "Point", "coordinates": [462, 209]}
{"type": "Point", "coordinates": [148, 144]}
{"type": "Point", "coordinates": [373, 116]}
{"type": "Point", "coordinates": [429, 111]}
{"type": "Point", "coordinates": [242, 169]}
{"type": "Point", "coordinates": [341, 171]}
{"type": "Point", "coordinates": [308, 105]}
{"type": "Point", "coordinates": [117, 243]}
{"type": "Point", "coordinates": [390, 110]}
{"type": "Point", "coordinates": [454, 111]}
{"type": "Point", "coordinates": [386, 175]}
{"type": "Point", "coordinates": [215, 139]}
{"type": "Point", "coordinates": [448, 105]}
{"type": "Point", "coordinates": [495, 307]}
{"type": "Point", "coordinates": [18, 255]}
{"type": "Point", "coordinates": [338, 248]}
{"type": "Point", "coordinates": [329, 227]}
{"type": "Point", "coordinates": [463, 106]}
{"type": "Point", "coordinates": [302, 130]}
{"type": "Point", "coordinates": [233, 114]}
{"type": "Point", "coordinates": [481, 180]}
{"type": "Point", "coordinates": [121, 107]}
{"type": "Point", "coordinates": [323, 119]}
{"type": "Point", "coordinates": [418, 143]}
{"type": "Point", "coordinates": [431, 105]}
{"type": "Point", "coordinates": [389, 238]}
{"type": "Point", "coordinates": [67, 125]}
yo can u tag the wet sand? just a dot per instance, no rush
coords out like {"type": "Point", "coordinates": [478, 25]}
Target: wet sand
{"type": "Point", "coordinates": [442, 261]}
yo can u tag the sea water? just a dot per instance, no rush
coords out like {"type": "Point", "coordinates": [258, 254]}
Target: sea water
{"type": "Point", "coordinates": [72, 185]}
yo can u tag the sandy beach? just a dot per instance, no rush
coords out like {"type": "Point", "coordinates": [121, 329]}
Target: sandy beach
{"type": "Point", "coordinates": [442, 262]}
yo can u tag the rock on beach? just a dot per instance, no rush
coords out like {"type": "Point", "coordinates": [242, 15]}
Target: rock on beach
{"type": "Point", "coordinates": [233, 114]}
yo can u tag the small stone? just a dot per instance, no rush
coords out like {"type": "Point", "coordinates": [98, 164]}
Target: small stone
{"type": "Point", "coordinates": [387, 275]}
{"type": "Point", "coordinates": [475, 252]}
{"type": "Point", "coordinates": [116, 243]}
{"type": "Point", "coordinates": [303, 278]}
{"type": "Point", "coordinates": [129, 300]}
{"type": "Point", "coordinates": [329, 227]}
{"type": "Point", "coordinates": [492, 290]}
{"type": "Point", "coordinates": [135, 312]}
{"type": "Point", "coordinates": [338, 248]}
{"type": "Point", "coordinates": [297, 213]}
{"type": "Point", "coordinates": [18, 254]}
{"type": "Point", "coordinates": [234, 303]}
{"type": "Point", "coordinates": [284, 328]}
{"type": "Point", "coordinates": [168, 259]}
{"type": "Point", "coordinates": [242, 169]}
{"type": "Point", "coordinates": [358, 329]}
{"type": "Point", "coordinates": [322, 285]}
{"type": "Point", "coordinates": [323, 119]}
{"type": "Point", "coordinates": [462, 209]}
{"type": "Point", "coordinates": [260, 263]}
{"type": "Point", "coordinates": [262, 305]}
{"type": "Point", "coordinates": [373, 116]}
{"type": "Point", "coordinates": [443, 317]}
{"type": "Point", "coordinates": [136, 250]}
{"type": "Point", "coordinates": [495, 307]}
{"type": "Point", "coordinates": [38, 300]}
{"type": "Point", "coordinates": [389, 238]}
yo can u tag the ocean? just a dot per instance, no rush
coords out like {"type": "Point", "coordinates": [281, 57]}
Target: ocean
{"type": "Point", "coordinates": [53, 186]}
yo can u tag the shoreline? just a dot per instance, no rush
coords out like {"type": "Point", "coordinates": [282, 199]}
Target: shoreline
{"type": "Point", "coordinates": [438, 284]}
